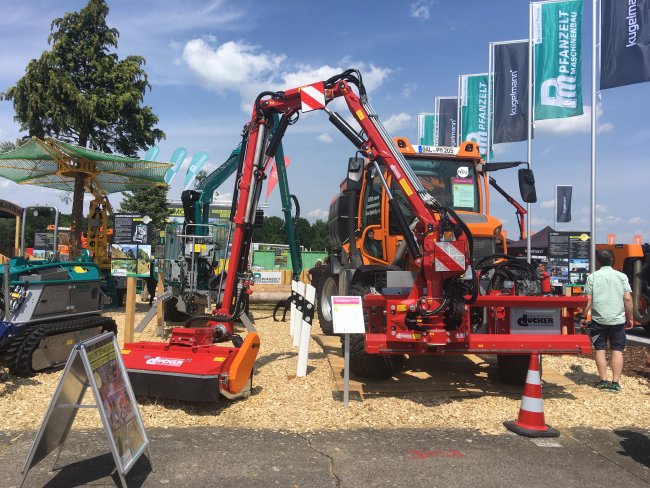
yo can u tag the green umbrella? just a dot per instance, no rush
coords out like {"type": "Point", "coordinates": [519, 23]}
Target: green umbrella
{"type": "Point", "coordinates": [54, 164]}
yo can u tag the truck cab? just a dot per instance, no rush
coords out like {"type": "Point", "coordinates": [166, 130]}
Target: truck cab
{"type": "Point", "coordinates": [454, 176]}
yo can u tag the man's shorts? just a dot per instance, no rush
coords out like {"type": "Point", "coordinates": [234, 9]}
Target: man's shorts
{"type": "Point", "coordinates": [614, 334]}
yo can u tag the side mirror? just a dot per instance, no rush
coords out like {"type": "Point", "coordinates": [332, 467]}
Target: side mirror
{"type": "Point", "coordinates": [355, 172]}
{"type": "Point", "coordinates": [527, 186]}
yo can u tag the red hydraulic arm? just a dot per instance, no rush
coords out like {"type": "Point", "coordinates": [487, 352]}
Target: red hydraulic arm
{"type": "Point", "coordinates": [259, 146]}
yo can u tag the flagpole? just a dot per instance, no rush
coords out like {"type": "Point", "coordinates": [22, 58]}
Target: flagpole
{"type": "Point", "coordinates": [489, 102]}
{"type": "Point", "coordinates": [531, 118]}
{"type": "Point", "coordinates": [594, 38]}
{"type": "Point", "coordinates": [459, 112]}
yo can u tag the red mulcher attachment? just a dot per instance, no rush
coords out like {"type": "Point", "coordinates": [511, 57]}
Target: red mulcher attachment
{"type": "Point", "coordinates": [191, 367]}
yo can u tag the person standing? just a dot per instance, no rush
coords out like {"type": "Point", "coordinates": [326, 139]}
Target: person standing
{"type": "Point", "coordinates": [610, 302]}
{"type": "Point", "coordinates": [315, 273]}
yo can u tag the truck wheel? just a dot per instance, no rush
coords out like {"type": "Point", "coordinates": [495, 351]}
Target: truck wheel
{"type": "Point", "coordinates": [513, 368]}
{"type": "Point", "coordinates": [374, 366]}
{"type": "Point", "coordinates": [327, 288]}
{"type": "Point", "coordinates": [363, 364]}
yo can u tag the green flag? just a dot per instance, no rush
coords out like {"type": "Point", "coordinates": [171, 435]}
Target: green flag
{"type": "Point", "coordinates": [426, 128]}
{"type": "Point", "coordinates": [474, 110]}
{"type": "Point", "coordinates": [557, 37]}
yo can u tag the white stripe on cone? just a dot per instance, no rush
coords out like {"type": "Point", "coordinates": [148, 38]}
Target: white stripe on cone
{"type": "Point", "coordinates": [533, 377]}
{"type": "Point", "coordinates": [529, 404]}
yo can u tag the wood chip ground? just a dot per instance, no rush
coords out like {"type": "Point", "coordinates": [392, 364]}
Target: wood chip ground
{"type": "Point", "coordinates": [443, 391]}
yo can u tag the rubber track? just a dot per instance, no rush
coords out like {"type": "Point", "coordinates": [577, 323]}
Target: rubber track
{"type": "Point", "coordinates": [19, 353]}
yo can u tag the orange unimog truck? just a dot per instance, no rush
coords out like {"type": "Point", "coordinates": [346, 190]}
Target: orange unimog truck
{"type": "Point", "coordinates": [455, 176]}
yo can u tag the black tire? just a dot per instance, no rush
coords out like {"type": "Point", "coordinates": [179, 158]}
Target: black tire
{"type": "Point", "coordinates": [513, 368]}
{"type": "Point", "coordinates": [646, 327]}
{"type": "Point", "coordinates": [327, 288]}
{"type": "Point", "coordinates": [363, 364]}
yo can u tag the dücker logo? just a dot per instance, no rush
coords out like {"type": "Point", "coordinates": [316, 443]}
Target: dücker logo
{"type": "Point", "coordinates": [525, 320]}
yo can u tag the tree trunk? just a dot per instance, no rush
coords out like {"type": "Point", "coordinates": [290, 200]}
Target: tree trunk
{"type": "Point", "coordinates": [77, 213]}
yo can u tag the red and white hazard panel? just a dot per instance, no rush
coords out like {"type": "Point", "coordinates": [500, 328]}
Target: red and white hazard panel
{"type": "Point", "coordinates": [449, 256]}
{"type": "Point", "coordinates": [312, 97]}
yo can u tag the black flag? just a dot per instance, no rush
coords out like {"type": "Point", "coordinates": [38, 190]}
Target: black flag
{"type": "Point", "coordinates": [510, 92]}
{"type": "Point", "coordinates": [625, 42]}
{"type": "Point", "coordinates": [447, 121]}
{"type": "Point", "coordinates": [563, 203]}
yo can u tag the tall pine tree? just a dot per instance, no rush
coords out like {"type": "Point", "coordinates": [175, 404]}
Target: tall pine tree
{"type": "Point", "coordinates": [81, 92]}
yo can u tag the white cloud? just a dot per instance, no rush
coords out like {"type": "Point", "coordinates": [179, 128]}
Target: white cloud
{"type": "Point", "coordinates": [325, 137]}
{"type": "Point", "coordinates": [637, 220]}
{"type": "Point", "coordinates": [243, 68]}
{"type": "Point", "coordinates": [547, 204]}
{"type": "Point", "coordinates": [578, 124]}
{"type": "Point", "coordinates": [397, 122]}
{"type": "Point", "coordinates": [408, 90]}
{"type": "Point", "coordinates": [317, 214]}
{"type": "Point", "coordinates": [226, 197]}
{"type": "Point", "coordinates": [420, 9]}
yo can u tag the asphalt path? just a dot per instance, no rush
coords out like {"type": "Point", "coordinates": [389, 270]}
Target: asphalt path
{"type": "Point", "coordinates": [215, 457]}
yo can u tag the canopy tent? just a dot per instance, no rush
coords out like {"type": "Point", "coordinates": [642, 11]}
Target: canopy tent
{"type": "Point", "coordinates": [54, 164]}
{"type": "Point", "coordinates": [538, 244]}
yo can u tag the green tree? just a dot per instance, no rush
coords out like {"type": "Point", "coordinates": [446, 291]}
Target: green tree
{"type": "Point", "coordinates": [148, 201]}
{"type": "Point", "coordinates": [272, 232]}
{"type": "Point", "coordinates": [81, 92]}
{"type": "Point", "coordinates": [320, 239]}
{"type": "Point", "coordinates": [305, 233]}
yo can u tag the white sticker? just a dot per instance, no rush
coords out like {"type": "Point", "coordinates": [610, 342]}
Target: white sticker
{"type": "Point", "coordinates": [463, 172]}
{"type": "Point", "coordinates": [165, 362]}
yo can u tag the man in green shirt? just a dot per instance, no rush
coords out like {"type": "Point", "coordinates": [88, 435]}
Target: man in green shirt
{"type": "Point", "coordinates": [610, 302]}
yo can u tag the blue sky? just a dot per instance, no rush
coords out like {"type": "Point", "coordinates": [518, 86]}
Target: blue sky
{"type": "Point", "coordinates": [208, 59]}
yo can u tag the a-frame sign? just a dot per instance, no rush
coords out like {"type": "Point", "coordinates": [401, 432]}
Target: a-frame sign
{"type": "Point", "coordinates": [95, 363]}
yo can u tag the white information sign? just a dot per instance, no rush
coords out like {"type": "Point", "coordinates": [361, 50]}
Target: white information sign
{"type": "Point", "coordinates": [347, 315]}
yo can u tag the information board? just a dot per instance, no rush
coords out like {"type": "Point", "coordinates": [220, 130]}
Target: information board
{"type": "Point", "coordinates": [347, 315]}
{"type": "Point", "coordinates": [95, 363]}
{"type": "Point", "coordinates": [131, 250]}
{"type": "Point", "coordinates": [568, 257]}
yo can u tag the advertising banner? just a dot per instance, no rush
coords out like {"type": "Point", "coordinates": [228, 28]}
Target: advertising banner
{"type": "Point", "coordinates": [426, 129]}
{"type": "Point", "coordinates": [557, 39]}
{"type": "Point", "coordinates": [510, 99]}
{"type": "Point", "coordinates": [563, 203]}
{"type": "Point", "coordinates": [447, 120]}
{"type": "Point", "coordinates": [474, 110]}
{"type": "Point", "coordinates": [177, 159]}
{"type": "Point", "coordinates": [196, 165]}
{"type": "Point", "coordinates": [625, 42]}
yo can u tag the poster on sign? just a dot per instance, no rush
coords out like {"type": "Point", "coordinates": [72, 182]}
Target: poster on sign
{"type": "Point", "coordinates": [347, 315]}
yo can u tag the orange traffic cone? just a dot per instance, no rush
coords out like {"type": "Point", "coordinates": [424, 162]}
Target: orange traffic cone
{"type": "Point", "coordinates": [531, 413]}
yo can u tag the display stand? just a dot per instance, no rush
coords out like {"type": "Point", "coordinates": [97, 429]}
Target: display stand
{"type": "Point", "coordinates": [95, 363]}
{"type": "Point", "coordinates": [347, 316]}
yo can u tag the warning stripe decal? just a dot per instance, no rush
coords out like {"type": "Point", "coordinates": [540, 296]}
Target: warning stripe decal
{"type": "Point", "coordinates": [449, 256]}
{"type": "Point", "coordinates": [312, 97]}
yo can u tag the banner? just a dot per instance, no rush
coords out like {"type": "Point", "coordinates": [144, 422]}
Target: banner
{"type": "Point", "coordinates": [563, 203]}
{"type": "Point", "coordinates": [510, 99]}
{"type": "Point", "coordinates": [474, 110]}
{"type": "Point", "coordinates": [426, 129]}
{"type": "Point", "coordinates": [447, 120]}
{"type": "Point", "coordinates": [273, 177]}
{"type": "Point", "coordinates": [177, 159]}
{"type": "Point", "coordinates": [152, 153]}
{"type": "Point", "coordinates": [557, 39]}
{"type": "Point", "coordinates": [196, 165]}
{"type": "Point", "coordinates": [625, 42]}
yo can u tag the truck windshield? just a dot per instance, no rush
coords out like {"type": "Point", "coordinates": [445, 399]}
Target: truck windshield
{"type": "Point", "coordinates": [452, 183]}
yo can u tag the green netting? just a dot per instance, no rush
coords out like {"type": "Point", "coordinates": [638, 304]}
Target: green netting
{"type": "Point", "coordinates": [33, 164]}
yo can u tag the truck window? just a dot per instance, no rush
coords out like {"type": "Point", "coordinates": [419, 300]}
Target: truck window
{"type": "Point", "coordinates": [371, 213]}
{"type": "Point", "coordinates": [452, 183]}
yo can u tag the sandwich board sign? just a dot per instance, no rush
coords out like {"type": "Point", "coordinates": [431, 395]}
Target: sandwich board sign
{"type": "Point", "coordinates": [94, 363]}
